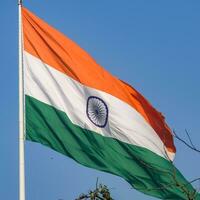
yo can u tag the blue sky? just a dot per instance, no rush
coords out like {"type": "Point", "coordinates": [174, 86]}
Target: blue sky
{"type": "Point", "coordinates": [154, 45]}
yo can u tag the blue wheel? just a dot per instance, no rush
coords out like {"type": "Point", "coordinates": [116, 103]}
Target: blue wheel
{"type": "Point", "coordinates": [97, 111]}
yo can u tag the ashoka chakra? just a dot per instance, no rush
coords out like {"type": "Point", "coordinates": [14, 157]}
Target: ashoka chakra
{"type": "Point", "coordinates": [97, 111]}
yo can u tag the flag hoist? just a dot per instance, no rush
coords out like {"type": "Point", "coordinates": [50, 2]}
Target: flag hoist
{"type": "Point", "coordinates": [71, 104]}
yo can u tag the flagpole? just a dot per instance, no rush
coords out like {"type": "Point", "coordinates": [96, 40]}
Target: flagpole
{"type": "Point", "coordinates": [21, 111]}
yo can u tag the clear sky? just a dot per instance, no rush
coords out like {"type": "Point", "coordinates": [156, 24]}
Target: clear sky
{"type": "Point", "coordinates": [154, 45]}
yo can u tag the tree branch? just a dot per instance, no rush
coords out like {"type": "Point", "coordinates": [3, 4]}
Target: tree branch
{"type": "Point", "coordinates": [191, 145]}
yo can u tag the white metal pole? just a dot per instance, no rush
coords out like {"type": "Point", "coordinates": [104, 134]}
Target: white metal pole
{"type": "Point", "coordinates": [21, 111]}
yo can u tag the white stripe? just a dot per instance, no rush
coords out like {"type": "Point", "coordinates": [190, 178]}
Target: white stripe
{"type": "Point", "coordinates": [57, 89]}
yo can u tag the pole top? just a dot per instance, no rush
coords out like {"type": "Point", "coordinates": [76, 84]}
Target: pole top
{"type": "Point", "coordinates": [20, 2]}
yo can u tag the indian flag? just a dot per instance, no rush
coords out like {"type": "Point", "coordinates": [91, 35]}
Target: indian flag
{"type": "Point", "coordinates": [77, 108]}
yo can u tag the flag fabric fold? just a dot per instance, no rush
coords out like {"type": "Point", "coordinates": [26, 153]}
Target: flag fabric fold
{"type": "Point", "coordinates": [77, 108]}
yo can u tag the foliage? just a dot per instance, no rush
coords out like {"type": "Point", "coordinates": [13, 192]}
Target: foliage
{"type": "Point", "coordinates": [101, 192]}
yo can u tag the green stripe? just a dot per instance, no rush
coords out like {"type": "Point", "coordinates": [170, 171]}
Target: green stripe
{"type": "Point", "coordinates": [143, 169]}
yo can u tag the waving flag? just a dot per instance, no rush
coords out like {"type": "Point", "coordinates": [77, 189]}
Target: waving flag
{"type": "Point", "coordinates": [77, 108]}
